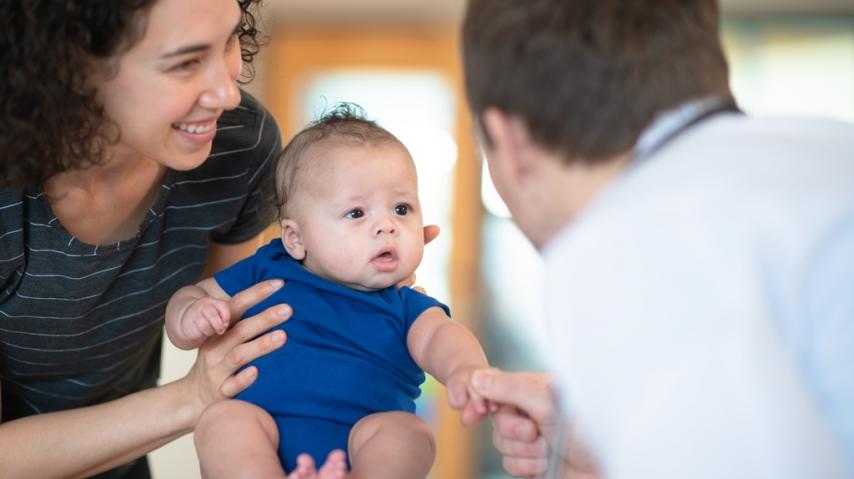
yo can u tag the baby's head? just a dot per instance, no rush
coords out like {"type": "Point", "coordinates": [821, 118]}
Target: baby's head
{"type": "Point", "coordinates": [348, 202]}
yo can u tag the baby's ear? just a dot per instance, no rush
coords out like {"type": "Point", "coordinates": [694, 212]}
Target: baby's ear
{"type": "Point", "coordinates": [292, 239]}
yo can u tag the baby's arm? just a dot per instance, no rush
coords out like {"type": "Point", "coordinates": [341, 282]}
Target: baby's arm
{"type": "Point", "coordinates": [450, 353]}
{"type": "Point", "coordinates": [197, 312]}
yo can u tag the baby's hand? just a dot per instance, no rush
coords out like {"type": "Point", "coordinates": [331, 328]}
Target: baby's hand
{"type": "Point", "coordinates": [205, 317]}
{"type": "Point", "coordinates": [462, 397]}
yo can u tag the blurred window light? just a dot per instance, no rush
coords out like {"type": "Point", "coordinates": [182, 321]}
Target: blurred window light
{"type": "Point", "coordinates": [433, 149]}
{"type": "Point", "coordinates": [490, 197]}
{"type": "Point", "coordinates": [793, 66]}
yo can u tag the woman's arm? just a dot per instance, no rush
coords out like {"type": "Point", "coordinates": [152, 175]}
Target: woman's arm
{"type": "Point", "coordinates": [85, 441]}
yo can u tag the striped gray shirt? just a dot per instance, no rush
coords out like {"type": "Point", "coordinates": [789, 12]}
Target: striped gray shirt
{"type": "Point", "coordinates": [81, 324]}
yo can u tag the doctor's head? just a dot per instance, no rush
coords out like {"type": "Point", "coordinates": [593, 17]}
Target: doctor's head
{"type": "Point", "coordinates": [578, 82]}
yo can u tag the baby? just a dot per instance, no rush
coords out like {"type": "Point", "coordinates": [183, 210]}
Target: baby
{"type": "Point", "coordinates": [358, 344]}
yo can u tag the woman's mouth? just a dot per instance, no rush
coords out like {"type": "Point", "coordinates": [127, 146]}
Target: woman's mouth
{"type": "Point", "coordinates": [199, 133]}
{"type": "Point", "coordinates": [194, 128]}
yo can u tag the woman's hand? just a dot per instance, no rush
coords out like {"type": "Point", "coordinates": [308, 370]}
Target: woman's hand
{"type": "Point", "coordinates": [526, 423]}
{"type": "Point", "coordinates": [214, 375]}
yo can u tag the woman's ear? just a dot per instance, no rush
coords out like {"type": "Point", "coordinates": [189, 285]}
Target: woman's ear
{"type": "Point", "coordinates": [292, 239]}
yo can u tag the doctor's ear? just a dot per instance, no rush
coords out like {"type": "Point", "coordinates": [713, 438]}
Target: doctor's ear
{"type": "Point", "coordinates": [507, 138]}
{"type": "Point", "coordinates": [292, 239]}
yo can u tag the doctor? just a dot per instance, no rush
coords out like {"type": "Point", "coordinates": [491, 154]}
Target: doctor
{"type": "Point", "coordinates": [699, 261]}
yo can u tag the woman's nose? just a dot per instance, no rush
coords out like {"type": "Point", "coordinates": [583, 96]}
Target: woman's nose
{"type": "Point", "coordinates": [221, 92]}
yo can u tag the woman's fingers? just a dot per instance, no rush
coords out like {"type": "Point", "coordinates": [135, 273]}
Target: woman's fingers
{"type": "Point", "coordinates": [221, 357]}
{"type": "Point", "coordinates": [235, 384]}
{"type": "Point", "coordinates": [251, 327]}
{"type": "Point", "coordinates": [217, 372]}
{"type": "Point", "coordinates": [242, 301]}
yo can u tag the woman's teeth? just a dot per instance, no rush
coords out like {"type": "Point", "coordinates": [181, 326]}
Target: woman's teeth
{"type": "Point", "coordinates": [194, 129]}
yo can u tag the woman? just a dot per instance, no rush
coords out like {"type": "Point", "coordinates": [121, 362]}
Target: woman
{"type": "Point", "coordinates": [130, 162]}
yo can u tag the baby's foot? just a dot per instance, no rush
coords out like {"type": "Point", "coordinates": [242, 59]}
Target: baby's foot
{"type": "Point", "coordinates": [335, 467]}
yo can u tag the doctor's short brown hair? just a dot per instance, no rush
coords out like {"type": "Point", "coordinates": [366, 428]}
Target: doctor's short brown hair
{"type": "Point", "coordinates": [587, 76]}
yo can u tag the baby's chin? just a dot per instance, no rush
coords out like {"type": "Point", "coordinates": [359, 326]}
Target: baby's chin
{"type": "Point", "coordinates": [377, 283]}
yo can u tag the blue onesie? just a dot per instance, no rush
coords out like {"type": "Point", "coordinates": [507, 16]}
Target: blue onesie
{"type": "Point", "coordinates": [345, 357]}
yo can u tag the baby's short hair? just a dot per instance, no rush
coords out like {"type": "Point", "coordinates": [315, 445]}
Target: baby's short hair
{"type": "Point", "coordinates": [346, 123]}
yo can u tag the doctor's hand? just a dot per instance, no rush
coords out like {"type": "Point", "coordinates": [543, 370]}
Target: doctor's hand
{"type": "Point", "coordinates": [526, 423]}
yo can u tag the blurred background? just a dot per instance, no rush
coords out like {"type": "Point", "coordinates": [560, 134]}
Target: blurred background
{"type": "Point", "coordinates": [399, 60]}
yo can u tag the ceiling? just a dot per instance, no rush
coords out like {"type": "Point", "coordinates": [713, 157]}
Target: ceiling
{"type": "Point", "coordinates": [446, 11]}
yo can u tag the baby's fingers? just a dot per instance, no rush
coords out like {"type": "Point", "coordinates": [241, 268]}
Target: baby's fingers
{"type": "Point", "coordinates": [479, 403]}
{"type": "Point", "coordinates": [471, 415]}
{"type": "Point", "coordinates": [203, 324]}
{"type": "Point", "coordinates": [458, 395]}
{"type": "Point", "coordinates": [212, 322]}
{"type": "Point", "coordinates": [223, 316]}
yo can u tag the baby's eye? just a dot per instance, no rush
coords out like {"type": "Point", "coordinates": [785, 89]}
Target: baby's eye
{"type": "Point", "coordinates": [355, 213]}
{"type": "Point", "coordinates": [402, 209]}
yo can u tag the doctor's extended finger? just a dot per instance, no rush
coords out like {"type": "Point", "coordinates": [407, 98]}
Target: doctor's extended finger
{"type": "Point", "coordinates": [242, 301]}
{"type": "Point", "coordinates": [530, 392]}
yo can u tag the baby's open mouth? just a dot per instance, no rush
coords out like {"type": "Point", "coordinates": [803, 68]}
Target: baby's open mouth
{"type": "Point", "coordinates": [386, 259]}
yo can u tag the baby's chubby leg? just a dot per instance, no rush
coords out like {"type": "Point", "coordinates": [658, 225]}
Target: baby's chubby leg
{"type": "Point", "coordinates": [235, 439]}
{"type": "Point", "coordinates": [391, 445]}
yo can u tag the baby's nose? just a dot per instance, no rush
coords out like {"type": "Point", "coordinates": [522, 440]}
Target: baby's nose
{"type": "Point", "coordinates": [387, 226]}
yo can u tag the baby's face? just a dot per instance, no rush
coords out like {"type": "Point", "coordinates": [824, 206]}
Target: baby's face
{"type": "Point", "coordinates": [358, 214]}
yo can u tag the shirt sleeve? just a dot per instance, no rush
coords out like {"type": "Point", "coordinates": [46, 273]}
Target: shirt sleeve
{"type": "Point", "coordinates": [239, 276]}
{"type": "Point", "coordinates": [416, 303]}
{"type": "Point", "coordinates": [262, 148]}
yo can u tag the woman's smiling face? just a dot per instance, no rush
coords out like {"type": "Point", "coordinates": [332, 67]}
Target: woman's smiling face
{"type": "Point", "coordinates": [167, 91]}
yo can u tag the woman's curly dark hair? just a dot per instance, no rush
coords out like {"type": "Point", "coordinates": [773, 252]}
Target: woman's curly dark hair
{"type": "Point", "coordinates": [49, 120]}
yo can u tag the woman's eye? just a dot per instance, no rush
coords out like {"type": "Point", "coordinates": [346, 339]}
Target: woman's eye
{"type": "Point", "coordinates": [355, 213]}
{"type": "Point", "coordinates": [186, 65]}
{"type": "Point", "coordinates": [401, 210]}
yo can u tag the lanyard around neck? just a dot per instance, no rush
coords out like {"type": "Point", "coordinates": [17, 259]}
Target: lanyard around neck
{"type": "Point", "coordinates": [669, 125]}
